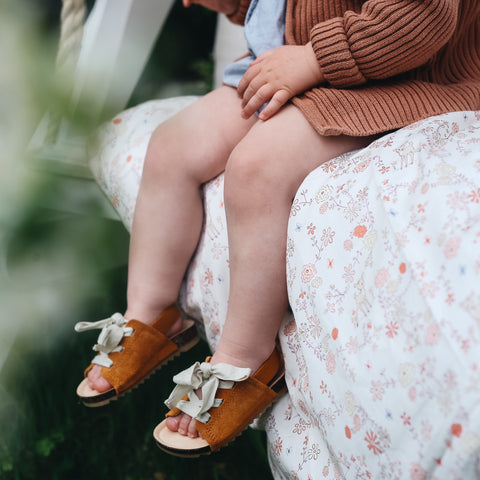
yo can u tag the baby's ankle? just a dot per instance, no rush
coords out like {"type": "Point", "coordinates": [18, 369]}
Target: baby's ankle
{"type": "Point", "coordinates": [144, 315]}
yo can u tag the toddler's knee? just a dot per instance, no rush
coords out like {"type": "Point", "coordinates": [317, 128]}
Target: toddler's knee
{"type": "Point", "coordinates": [247, 177]}
{"type": "Point", "coordinates": [158, 157]}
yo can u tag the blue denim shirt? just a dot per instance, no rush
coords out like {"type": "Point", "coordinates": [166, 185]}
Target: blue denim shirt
{"type": "Point", "coordinates": [264, 30]}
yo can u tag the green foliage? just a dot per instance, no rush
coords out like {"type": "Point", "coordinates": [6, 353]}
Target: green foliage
{"type": "Point", "coordinates": [62, 262]}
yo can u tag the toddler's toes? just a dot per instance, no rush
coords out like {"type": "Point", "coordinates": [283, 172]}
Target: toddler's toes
{"type": "Point", "coordinates": [96, 381]}
{"type": "Point", "coordinates": [173, 422]}
{"type": "Point", "coordinates": [192, 428]}
{"type": "Point", "coordinates": [183, 424]}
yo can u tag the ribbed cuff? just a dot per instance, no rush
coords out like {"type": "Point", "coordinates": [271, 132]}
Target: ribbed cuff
{"type": "Point", "coordinates": [239, 15]}
{"type": "Point", "coordinates": [330, 44]}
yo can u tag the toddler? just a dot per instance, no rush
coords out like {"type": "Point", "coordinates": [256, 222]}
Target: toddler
{"type": "Point", "coordinates": [322, 78]}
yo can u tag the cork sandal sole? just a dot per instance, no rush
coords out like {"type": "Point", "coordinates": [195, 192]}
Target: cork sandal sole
{"type": "Point", "coordinates": [185, 340]}
{"type": "Point", "coordinates": [183, 446]}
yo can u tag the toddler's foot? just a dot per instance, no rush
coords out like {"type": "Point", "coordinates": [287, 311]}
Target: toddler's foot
{"type": "Point", "coordinates": [186, 425]}
{"type": "Point", "coordinates": [236, 396]}
{"type": "Point", "coordinates": [131, 351]}
{"type": "Point", "coordinates": [94, 376]}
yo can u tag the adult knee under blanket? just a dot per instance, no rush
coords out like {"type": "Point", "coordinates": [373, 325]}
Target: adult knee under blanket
{"type": "Point", "coordinates": [382, 350]}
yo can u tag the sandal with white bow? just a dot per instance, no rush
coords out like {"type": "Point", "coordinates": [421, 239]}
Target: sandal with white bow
{"type": "Point", "coordinates": [231, 400]}
{"type": "Point", "coordinates": [131, 351]}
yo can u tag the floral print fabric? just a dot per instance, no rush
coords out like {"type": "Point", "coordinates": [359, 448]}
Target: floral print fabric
{"type": "Point", "coordinates": [383, 261]}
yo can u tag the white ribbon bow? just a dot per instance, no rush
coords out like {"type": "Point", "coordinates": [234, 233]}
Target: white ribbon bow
{"type": "Point", "coordinates": [113, 330]}
{"type": "Point", "coordinates": [209, 378]}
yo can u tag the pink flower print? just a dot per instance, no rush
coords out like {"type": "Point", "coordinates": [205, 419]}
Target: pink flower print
{"type": "Point", "coordinates": [303, 407]}
{"type": "Point", "coordinates": [377, 390]}
{"type": "Point", "coordinates": [115, 200]}
{"type": "Point", "coordinates": [406, 373]}
{"type": "Point", "coordinates": [323, 387]}
{"type": "Point", "coordinates": [457, 201]}
{"type": "Point", "coordinates": [392, 329]}
{"type": "Point", "coordinates": [382, 277]}
{"type": "Point", "coordinates": [450, 299]}
{"type": "Point", "coordinates": [347, 245]}
{"type": "Point", "coordinates": [432, 334]}
{"type": "Point", "coordinates": [329, 167]}
{"type": "Point", "coordinates": [216, 251]}
{"type": "Point", "coordinates": [300, 427]}
{"type": "Point", "coordinates": [277, 447]}
{"type": "Point", "coordinates": [349, 273]}
{"type": "Point", "coordinates": [429, 289]}
{"type": "Point", "coordinates": [417, 472]}
{"type": "Point", "coordinates": [426, 430]}
{"type": "Point", "coordinates": [352, 345]}
{"type": "Point", "coordinates": [450, 379]}
{"type": "Point", "coordinates": [475, 196]}
{"type": "Point", "coordinates": [331, 364]}
{"type": "Point", "coordinates": [373, 443]}
{"type": "Point", "coordinates": [465, 345]}
{"type": "Point", "coordinates": [357, 424]}
{"type": "Point", "coordinates": [323, 208]}
{"type": "Point", "coordinates": [362, 194]}
{"type": "Point", "coordinates": [308, 272]}
{"type": "Point", "coordinates": [209, 276]}
{"type": "Point", "coordinates": [450, 250]}
{"type": "Point", "coordinates": [361, 167]}
{"type": "Point", "coordinates": [412, 393]}
{"type": "Point", "coordinates": [313, 454]}
{"type": "Point", "coordinates": [456, 429]}
{"type": "Point", "coordinates": [406, 419]}
{"type": "Point", "coordinates": [360, 231]}
{"type": "Point", "coordinates": [315, 327]}
{"type": "Point", "coordinates": [327, 236]}
{"type": "Point", "coordinates": [311, 229]}
{"type": "Point", "coordinates": [336, 472]}
{"type": "Point", "coordinates": [290, 328]}
{"type": "Point", "coordinates": [215, 328]}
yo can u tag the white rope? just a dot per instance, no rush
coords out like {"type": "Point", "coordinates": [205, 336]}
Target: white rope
{"type": "Point", "coordinates": [71, 34]}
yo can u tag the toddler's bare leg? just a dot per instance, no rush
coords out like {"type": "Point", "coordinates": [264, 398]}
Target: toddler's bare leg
{"type": "Point", "coordinates": [262, 176]}
{"type": "Point", "coordinates": [184, 152]}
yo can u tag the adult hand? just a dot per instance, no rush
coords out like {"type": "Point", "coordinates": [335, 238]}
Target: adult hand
{"type": "Point", "coordinates": [222, 6]}
{"type": "Point", "coordinates": [276, 76]}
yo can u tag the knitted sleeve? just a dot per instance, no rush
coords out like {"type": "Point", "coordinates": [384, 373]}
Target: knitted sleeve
{"type": "Point", "coordinates": [386, 38]}
{"type": "Point", "coordinates": [238, 16]}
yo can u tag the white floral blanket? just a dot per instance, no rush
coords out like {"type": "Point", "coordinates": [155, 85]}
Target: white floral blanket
{"type": "Point", "coordinates": [382, 350]}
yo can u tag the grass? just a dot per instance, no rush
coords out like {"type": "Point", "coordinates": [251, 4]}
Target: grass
{"type": "Point", "coordinates": [58, 438]}
{"type": "Point", "coordinates": [58, 268]}
{"type": "Point", "coordinates": [46, 431]}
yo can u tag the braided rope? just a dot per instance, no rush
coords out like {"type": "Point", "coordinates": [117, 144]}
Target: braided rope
{"type": "Point", "coordinates": [71, 34]}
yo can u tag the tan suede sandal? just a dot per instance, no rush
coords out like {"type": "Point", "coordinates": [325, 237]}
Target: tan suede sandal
{"type": "Point", "coordinates": [231, 400]}
{"type": "Point", "coordinates": [131, 351]}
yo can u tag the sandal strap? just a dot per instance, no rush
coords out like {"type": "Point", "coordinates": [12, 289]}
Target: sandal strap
{"type": "Point", "coordinates": [209, 378]}
{"type": "Point", "coordinates": [240, 406]}
{"type": "Point", "coordinates": [113, 330]}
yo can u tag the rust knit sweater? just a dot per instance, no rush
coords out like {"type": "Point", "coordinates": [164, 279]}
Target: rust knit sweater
{"type": "Point", "coordinates": [388, 63]}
